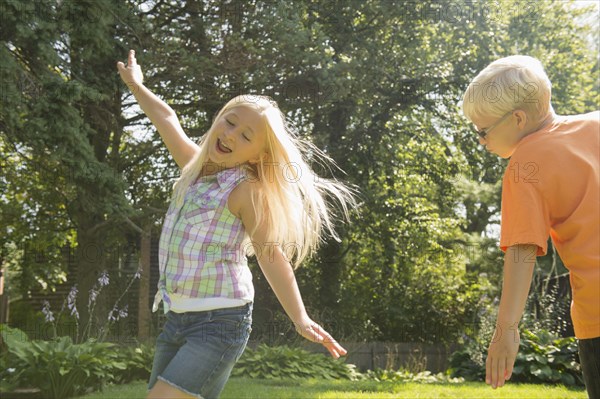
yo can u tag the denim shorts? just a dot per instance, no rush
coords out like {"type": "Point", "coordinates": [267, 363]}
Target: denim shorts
{"type": "Point", "coordinates": [196, 351]}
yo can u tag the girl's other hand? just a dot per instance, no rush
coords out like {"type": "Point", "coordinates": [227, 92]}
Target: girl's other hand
{"type": "Point", "coordinates": [315, 333]}
{"type": "Point", "coordinates": [132, 73]}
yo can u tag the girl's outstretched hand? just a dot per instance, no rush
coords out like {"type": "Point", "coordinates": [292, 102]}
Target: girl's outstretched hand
{"type": "Point", "coordinates": [132, 73]}
{"type": "Point", "coordinates": [315, 333]}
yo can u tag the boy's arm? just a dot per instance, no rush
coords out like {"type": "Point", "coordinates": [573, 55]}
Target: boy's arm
{"type": "Point", "coordinates": [519, 261]}
{"type": "Point", "coordinates": [181, 147]}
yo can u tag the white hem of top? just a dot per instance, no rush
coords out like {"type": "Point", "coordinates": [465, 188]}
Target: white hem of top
{"type": "Point", "coordinates": [181, 304]}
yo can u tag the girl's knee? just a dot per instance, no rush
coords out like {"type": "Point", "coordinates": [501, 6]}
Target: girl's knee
{"type": "Point", "coordinates": [162, 390]}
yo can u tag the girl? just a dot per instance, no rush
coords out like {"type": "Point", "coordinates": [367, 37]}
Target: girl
{"type": "Point", "coordinates": [246, 189]}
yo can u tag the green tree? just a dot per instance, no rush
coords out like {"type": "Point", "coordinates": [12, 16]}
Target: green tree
{"type": "Point", "coordinates": [375, 84]}
{"type": "Point", "coordinates": [61, 124]}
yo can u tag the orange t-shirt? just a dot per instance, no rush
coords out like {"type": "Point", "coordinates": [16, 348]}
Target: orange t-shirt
{"type": "Point", "coordinates": [552, 187]}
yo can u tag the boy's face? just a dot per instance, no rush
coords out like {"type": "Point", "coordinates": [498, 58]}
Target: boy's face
{"type": "Point", "coordinates": [503, 134]}
{"type": "Point", "coordinates": [238, 137]}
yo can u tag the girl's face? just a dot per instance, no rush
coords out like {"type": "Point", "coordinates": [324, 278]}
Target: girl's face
{"type": "Point", "coordinates": [238, 137]}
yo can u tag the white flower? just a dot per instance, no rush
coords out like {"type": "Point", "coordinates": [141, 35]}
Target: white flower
{"type": "Point", "coordinates": [47, 312]}
{"type": "Point", "coordinates": [123, 312]}
{"type": "Point", "coordinates": [71, 302]}
{"type": "Point", "coordinates": [103, 279]}
{"type": "Point", "coordinates": [93, 296]}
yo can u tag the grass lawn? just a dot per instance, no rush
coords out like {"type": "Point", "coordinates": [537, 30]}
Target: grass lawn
{"type": "Point", "coordinates": [245, 388]}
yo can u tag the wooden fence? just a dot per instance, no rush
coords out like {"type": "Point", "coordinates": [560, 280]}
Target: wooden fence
{"type": "Point", "coordinates": [390, 355]}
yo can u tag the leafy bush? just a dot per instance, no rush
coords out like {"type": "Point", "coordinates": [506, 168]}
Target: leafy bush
{"type": "Point", "coordinates": [542, 358]}
{"type": "Point", "coordinates": [8, 382]}
{"type": "Point", "coordinates": [425, 377]}
{"type": "Point", "coordinates": [284, 362]}
{"type": "Point", "coordinates": [267, 362]}
{"type": "Point", "coordinates": [138, 363]}
{"type": "Point", "coordinates": [59, 368]}
{"type": "Point", "coordinates": [463, 364]}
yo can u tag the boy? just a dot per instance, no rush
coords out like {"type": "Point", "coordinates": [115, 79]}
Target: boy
{"type": "Point", "coordinates": [550, 187]}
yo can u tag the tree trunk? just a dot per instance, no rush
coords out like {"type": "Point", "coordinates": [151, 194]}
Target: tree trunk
{"type": "Point", "coordinates": [3, 298]}
{"type": "Point", "coordinates": [90, 259]}
{"type": "Point", "coordinates": [143, 320]}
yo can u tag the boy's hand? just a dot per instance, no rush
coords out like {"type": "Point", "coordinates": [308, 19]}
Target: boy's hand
{"type": "Point", "coordinates": [132, 73]}
{"type": "Point", "coordinates": [315, 333]}
{"type": "Point", "coordinates": [502, 353]}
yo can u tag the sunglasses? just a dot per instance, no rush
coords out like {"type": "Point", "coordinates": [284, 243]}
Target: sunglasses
{"type": "Point", "coordinates": [484, 132]}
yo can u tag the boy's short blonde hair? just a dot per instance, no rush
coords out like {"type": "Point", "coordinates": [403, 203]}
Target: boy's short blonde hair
{"type": "Point", "coordinates": [515, 82]}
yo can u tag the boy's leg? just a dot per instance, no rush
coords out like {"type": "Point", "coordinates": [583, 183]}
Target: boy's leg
{"type": "Point", "coordinates": [589, 355]}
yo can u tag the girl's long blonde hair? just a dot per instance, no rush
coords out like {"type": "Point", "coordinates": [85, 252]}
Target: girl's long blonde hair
{"type": "Point", "coordinates": [291, 198]}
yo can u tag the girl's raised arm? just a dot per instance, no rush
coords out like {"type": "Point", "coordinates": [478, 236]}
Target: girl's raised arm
{"type": "Point", "coordinates": [181, 147]}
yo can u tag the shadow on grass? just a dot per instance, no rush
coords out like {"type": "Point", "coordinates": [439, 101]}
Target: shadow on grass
{"type": "Point", "coordinates": [246, 388]}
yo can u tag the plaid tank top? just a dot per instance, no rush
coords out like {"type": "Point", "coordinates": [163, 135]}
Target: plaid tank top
{"type": "Point", "coordinates": [202, 249]}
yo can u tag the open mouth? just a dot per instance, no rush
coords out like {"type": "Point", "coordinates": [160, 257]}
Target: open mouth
{"type": "Point", "coordinates": [222, 147]}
